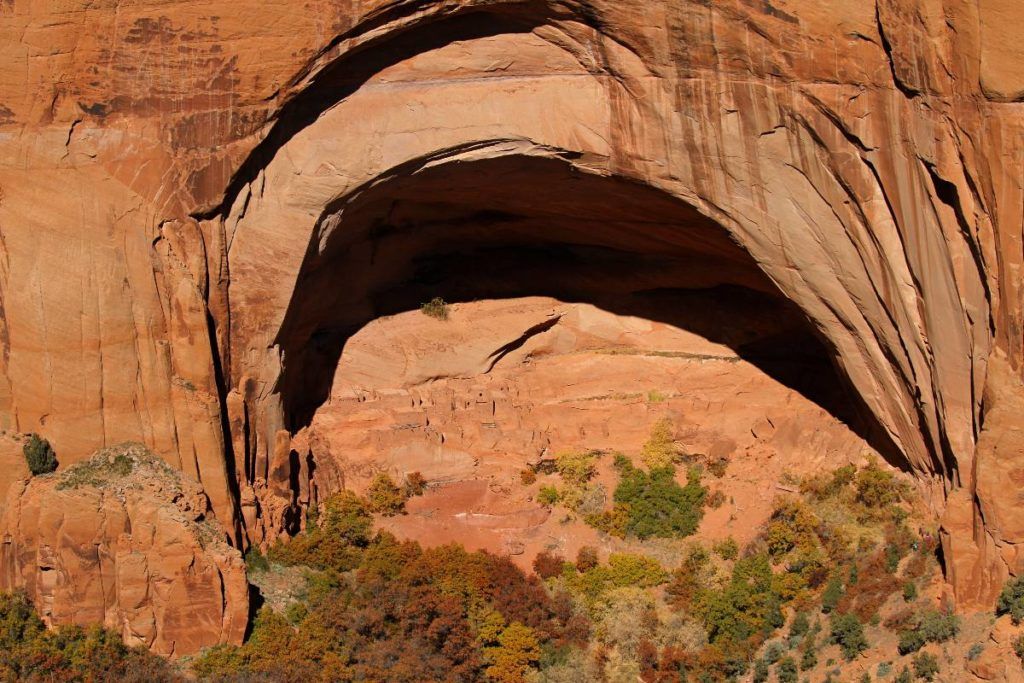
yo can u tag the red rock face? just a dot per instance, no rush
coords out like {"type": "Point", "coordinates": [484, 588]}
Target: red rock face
{"type": "Point", "coordinates": [125, 541]}
{"type": "Point", "coordinates": [201, 206]}
{"type": "Point", "coordinates": [412, 393]}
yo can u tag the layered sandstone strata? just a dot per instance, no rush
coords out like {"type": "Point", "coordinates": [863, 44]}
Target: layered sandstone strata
{"type": "Point", "coordinates": [201, 203]}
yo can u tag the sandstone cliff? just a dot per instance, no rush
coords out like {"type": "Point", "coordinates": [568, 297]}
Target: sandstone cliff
{"type": "Point", "coordinates": [201, 204]}
{"type": "Point", "coordinates": [123, 540]}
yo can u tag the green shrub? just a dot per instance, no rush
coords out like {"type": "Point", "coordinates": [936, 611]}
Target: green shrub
{"type": "Point", "coordinates": [255, 561]}
{"type": "Point", "coordinates": [786, 671]}
{"type": "Point", "coordinates": [975, 651]}
{"type": "Point", "coordinates": [910, 641]}
{"type": "Point", "coordinates": [39, 455]}
{"type": "Point", "coordinates": [1011, 599]}
{"type": "Point", "coordinates": [926, 666]}
{"type": "Point", "coordinates": [893, 555]}
{"type": "Point", "coordinates": [809, 659]}
{"type": "Point", "coordinates": [435, 308]}
{"type": "Point", "coordinates": [848, 633]}
{"type": "Point", "coordinates": [909, 591]}
{"type": "Point", "coordinates": [800, 625]}
{"type": "Point", "coordinates": [548, 495]}
{"type": "Point", "coordinates": [883, 670]}
{"type": "Point", "coordinates": [773, 653]}
{"type": "Point", "coordinates": [385, 497]}
{"type": "Point", "coordinates": [1018, 647]}
{"type": "Point", "coordinates": [938, 627]}
{"type": "Point", "coordinates": [760, 671]}
{"type": "Point", "coordinates": [931, 626]}
{"type": "Point", "coordinates": [832, 595]}
{"type": "Point", "coordinates": [745, 610]}
{"type": "Point", "coordinates": [904, 676]}
{"type": "Point", "coordinates": [657, 506]}
{"type": "Point", "coordinates": [727, 548]}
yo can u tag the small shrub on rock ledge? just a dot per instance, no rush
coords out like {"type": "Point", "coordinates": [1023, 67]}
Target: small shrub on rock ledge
{"type": "Point", "coordinates": [435, 308]}
{"type": "Point", "coordinates": [1011, 600]}
{"type": "Point", "coordinates": [39, 455]}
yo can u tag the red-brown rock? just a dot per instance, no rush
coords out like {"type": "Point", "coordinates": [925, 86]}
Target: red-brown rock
{"type": "Point", "coordinates": [202, 203]}
{"type": "Point", "coordinates": [125, 541]}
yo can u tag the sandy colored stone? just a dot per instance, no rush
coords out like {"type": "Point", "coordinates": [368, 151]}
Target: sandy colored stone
{"type": "Point", "coordinates": [190, 194]}
{"type": "Point", "coordinates": [139, 553]}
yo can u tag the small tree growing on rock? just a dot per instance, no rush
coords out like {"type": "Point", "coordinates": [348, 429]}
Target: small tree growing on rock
{"type": "Point", "coordinates": [39, 455]}
{"type": "Point", "coordinates": [1011, 600]}
{"type": "Point", "coordinates": [385, 497]}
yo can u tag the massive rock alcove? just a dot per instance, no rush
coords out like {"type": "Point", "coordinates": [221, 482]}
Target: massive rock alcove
{"type": "Point", "coordinates": [209, 177]}
{"type": "Point", "coordinates": [515, 226]}
{"type": "Point", "coordinates": [825, 213]}
{"type": "Point", "coordinates": [577, 297]}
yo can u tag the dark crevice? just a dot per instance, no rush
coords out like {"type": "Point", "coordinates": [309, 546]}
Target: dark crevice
{"type": "Point", "coordinates": [907, 90]}
{"type": "Point", "coordinates": [518, 343]}
{"type": "Point", "coordinates": [229, 449]}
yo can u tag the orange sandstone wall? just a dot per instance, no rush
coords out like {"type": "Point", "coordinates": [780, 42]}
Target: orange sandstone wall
{"type": "Point", "coordinates": [165, 167]}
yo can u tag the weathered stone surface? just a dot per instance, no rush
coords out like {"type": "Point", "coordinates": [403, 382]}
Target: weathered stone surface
{"type": "Point", "coordinates": [125, 541]}
{"type": "Point", "coordinates": [200, 202]}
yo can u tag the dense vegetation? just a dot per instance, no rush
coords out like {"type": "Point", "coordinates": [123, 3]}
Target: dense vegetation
{"type": "Point", "coordinates": [375, 608]}
{"type": "Point", "coordinates": [834, 569]}
{"type": "Point", "coordinates": [647, 503]}
{"type": "Point", "coordinates": [28, 651]}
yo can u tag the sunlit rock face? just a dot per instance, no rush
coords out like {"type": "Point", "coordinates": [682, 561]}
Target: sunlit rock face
{"type": "Point", "coordinates": [122, 540]}
{"type": "Point", "coordinates": [218, 221]}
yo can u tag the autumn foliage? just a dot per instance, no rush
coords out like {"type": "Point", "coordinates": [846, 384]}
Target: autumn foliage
{"type": "Point", "coordinates": [377, 609]}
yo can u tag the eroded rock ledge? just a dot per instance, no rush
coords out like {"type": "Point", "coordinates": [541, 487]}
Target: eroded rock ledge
{"type": "Point", "coordinates": [122, 539]}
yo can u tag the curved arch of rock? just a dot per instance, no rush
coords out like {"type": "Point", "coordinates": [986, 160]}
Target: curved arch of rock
{"type": "Point", "coordinates": [863, 158]}
{"type": "Point", "coordinates": [827, 186]}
